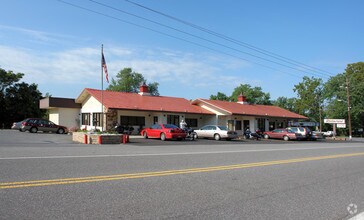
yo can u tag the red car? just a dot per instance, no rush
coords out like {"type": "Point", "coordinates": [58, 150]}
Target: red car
{"type": "Point", "coordinates": [282, 133]}
{"type": "Point", "coordinates": [163, 131]}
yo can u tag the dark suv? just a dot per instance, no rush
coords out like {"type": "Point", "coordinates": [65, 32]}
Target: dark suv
{"type": "Point", "coordinates": [33, 125]}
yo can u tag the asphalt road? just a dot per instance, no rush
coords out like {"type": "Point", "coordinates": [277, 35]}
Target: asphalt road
{"type": "Point", "coordinates": [46, 176]}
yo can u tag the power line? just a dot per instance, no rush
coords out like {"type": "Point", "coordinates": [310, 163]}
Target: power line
{"type": "Point", "coordinates": [201, 38]}
{"type": "Point", "coordinates": [169, 35]}
{"type": "Point", "coordinates": [254, 48]}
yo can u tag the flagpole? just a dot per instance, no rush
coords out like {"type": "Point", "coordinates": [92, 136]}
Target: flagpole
{"type": "Point", "coordinates": [102, 90]}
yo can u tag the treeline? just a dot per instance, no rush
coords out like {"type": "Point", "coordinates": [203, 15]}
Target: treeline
{"type": "Point", "coordinates": [18, 100]}
{"type": "Point", "coordinates": [316, 99]}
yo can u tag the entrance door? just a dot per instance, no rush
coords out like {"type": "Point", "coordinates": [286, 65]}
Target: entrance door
{"type": "Point", "coordinates": [231, 125]}
{"type": "Point", "coordinates": [246, 124]}
{"type": "Point", "coordinates": [238, 125]}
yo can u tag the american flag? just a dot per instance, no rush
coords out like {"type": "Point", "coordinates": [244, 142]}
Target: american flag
{"type": "Point", "coordinates": [103, 63]}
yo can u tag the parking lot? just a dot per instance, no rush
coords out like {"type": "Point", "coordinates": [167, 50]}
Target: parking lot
{"type": "Point", "coordinates": [13, 136]}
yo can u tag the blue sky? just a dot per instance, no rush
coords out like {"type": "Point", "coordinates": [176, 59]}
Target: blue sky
{"type": "Point", "coordinates": [58, 46]}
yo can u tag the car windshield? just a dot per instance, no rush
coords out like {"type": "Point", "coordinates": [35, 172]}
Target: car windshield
{"type": "Point", "coordinates": [169, 126]}
{"type": "Point", "coordinates": [224, 128]}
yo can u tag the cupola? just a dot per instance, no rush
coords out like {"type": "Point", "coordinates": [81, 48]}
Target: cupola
{"type": "Point", "coordinates": [143, 90]}
{"type": "Point", "coordinates": [242, 99]}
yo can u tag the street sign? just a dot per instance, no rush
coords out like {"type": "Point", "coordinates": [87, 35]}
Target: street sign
{"type": "Point", "coordinates": [341, 125]}
{"type": "Point", "coordinates": [334, 121]}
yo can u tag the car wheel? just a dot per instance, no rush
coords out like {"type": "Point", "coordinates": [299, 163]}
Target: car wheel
{"type": "Point", "coordinates": [217, 137]}
{"type": "Point", "coordinates": [195, 136]}
{"type": "Point", "coordinates": [33, 130]}
{"type": "Point", "coordinates": [286, 138]}
{"type": "Point", "coordinates": [21, 130]}
{"type": "Point", "coordinates": [163, 137]}
{"type": "Point", "coordinates": [60, 131]}
{"type": "Point", "coordinates": [145, 135]}
{"type": "Point", "coordinates": [266, 136]}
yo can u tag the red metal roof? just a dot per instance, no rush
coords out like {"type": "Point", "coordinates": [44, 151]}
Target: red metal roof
{"type": "Point", "coordinates": [134, 101]}
{"type": "Point", "coordinates": [249, 109]}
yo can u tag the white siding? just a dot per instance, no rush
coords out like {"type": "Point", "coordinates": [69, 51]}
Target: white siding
{"type": "Point", "coordinates": [54, 115]}
{"type": "Point", "coordinates": [91, 105]}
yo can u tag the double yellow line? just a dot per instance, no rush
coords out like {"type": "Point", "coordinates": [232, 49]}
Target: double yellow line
{"type": "Point", "coordinates": [23, 184]}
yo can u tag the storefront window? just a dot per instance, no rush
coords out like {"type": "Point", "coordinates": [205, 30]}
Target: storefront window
{"type": "Point", "coordinates": [192, 122]}
{"type": "Point", "coordinates": [85, 120]}
{"type": "Point", "coordinates": [132, 120]}
{"type": "Point", "coordinates": [173, 119]}
{"type": "Point", "coordinates": [96, 119]}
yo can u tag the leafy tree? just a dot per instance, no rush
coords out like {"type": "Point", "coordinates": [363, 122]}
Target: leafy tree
{"type": "Point", "coordinates": [309, 97]}
{"type": "Point", "coordinates": [220, 96]}
{"type": "Point", "coordinates": [253, 95]}
{"type": "Point", "coordinates": [286, 103]}
{"type": "Point", "coordinates": [18, 100]}
{"type": "Point", "coordinates": [129, 81]}
{"type": "Point", "coordinates": [8, 78]}
{"type": "Point", "coordinates": [335, 92]}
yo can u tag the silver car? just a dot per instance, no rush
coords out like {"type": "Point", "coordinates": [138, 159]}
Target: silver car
{"type": "Point", "coordinates": [217, 132]}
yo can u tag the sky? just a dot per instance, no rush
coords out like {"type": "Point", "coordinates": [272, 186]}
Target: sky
{"type": "Point", "coordinates": [192, 48]}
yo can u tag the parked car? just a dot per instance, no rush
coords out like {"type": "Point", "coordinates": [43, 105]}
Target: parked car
{"type": "Point", "coordinates": [328, 133]}
{"type": "Point", "coordinates": [163, 131]}
{"type": "Point", "coordinates": [316, 135]}
{"type": "Point", "coordinates": [33, 125]}
{"type": "Point", "coordinates": [304, 131]}
{"type": "Point", "coordinates": [16, 125]}
{"type": "Point", "coordinates": [217, 132]}
{"type": "Point", "coordinates": [282, 133]}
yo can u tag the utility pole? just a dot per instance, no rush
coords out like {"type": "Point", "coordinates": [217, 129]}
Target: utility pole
{"type": "Point", "coordinates": [348, 100]}
{"type": "Point", "coordinates": [320, 109]}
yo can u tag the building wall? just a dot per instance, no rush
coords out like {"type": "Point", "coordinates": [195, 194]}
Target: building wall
{"type": "Point", "coordinates": [221, 117]}
{"type": "Point", "coordinates": [162, 117]}
{"type": "Point", "coordinates": [91, 105]}
{"type": "Point", "coordinates": [54, 115]}
{"type": "Point", "coordinates": [68, 117]}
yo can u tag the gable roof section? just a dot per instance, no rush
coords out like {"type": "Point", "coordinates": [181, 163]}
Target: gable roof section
{"type": "Point", "coordinates": [247, 109]}
{"type": "Point", "coordinates": [134, 101]}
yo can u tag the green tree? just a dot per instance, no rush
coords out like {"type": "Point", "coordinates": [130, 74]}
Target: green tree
{"type": "Point", "coordinates": [129, 81]}
{"type": "Point", "coordinates": [18, 100]}
{"type": "Point", "coordinates": [253, 95]}
{"type": "Point", "coordinates": [335, 92]}
{"type": "Point", "coordinates": [220, 96]}
{"type": "Point", "coordinates": [286, 103]}
{"type": "Point", "coordinates": [8, 78]}
{"type": "Point", "coordinates": [309, 97]}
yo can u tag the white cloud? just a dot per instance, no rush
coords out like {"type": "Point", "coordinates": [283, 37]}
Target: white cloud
{"type": "Point", "coordinates": [35, 35]}
{"type": "Point", "coordinates": [81, 67]}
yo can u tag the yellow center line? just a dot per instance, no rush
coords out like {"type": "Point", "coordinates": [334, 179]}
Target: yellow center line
{"type": "Point", "coordinates": [63, 181]}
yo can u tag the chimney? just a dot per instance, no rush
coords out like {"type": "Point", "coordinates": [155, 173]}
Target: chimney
{"type": "Point", "coordinates": [242, 99]}
{"type": "Point", "coordinates": [143, 90]}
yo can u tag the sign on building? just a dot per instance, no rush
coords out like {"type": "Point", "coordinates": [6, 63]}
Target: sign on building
{"type": "Point", "coordinates": [334, 121]}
